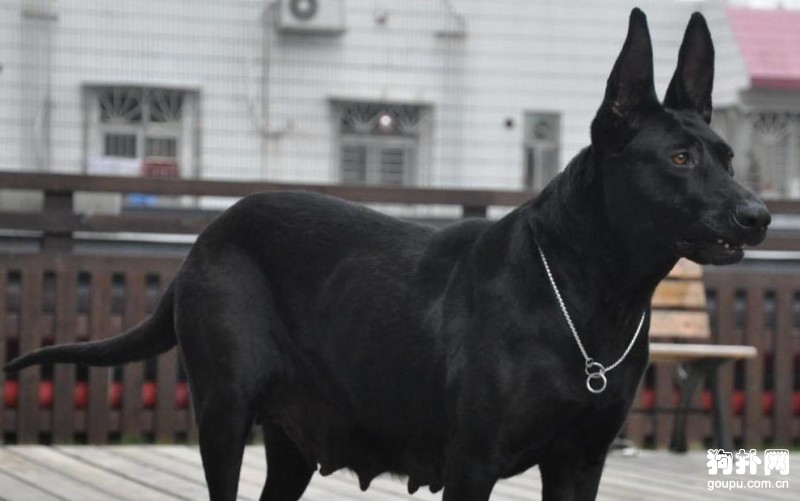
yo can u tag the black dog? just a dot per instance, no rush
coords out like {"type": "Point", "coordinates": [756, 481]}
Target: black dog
{"type": "Point", "coordinates": [364, 342]}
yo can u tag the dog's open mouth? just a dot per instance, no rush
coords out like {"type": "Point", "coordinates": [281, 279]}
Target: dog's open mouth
{"type": "Point", "coordinates": [717, 251]}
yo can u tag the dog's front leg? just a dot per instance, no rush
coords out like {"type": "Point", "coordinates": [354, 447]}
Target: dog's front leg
{"type": "Point", "coordinates": [571, 469]}
{"type": "Point", "coordinates": [574, 477]}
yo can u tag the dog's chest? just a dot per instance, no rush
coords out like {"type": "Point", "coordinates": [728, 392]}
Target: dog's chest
{"type": "Point", "coordinates": [549, 405]}
{"type": "Point", "coordinates": [578, 423]}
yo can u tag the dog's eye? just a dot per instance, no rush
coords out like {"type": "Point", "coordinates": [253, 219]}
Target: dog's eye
{"type": "Point", "coordinates": [681, 158]}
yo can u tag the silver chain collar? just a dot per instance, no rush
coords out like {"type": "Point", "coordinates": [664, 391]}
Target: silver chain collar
{"type": "Point", "coordinates": [594, 370]}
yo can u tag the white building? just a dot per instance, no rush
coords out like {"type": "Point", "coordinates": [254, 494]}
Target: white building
{"type": "Point", "coordinates": [464, 93]}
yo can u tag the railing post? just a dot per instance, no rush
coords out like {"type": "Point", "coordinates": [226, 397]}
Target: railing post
{"type": "Point", "coordinates": [473, 211]}
{"type": "Point", "coordinates": [55, 203]}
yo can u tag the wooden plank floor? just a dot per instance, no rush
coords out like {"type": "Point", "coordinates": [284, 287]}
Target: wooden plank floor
{"type": "Point", "coordinates": [139, 473]}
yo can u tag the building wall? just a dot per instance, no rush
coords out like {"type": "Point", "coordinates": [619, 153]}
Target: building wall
{"type": "Point", "coordinates": [194, 44]}
{"type": "Point", "coordinates": [10, 81]}
{"type": "Point", "coordinates": [265, 97]}
{"type": "Point", "coordinates": [517, 56]}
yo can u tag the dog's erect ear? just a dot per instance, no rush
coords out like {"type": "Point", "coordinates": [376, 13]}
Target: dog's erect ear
{"type": "Point", "coordinates": [630, 90]}
{"type": "Point", "coordinates": [691, 85]}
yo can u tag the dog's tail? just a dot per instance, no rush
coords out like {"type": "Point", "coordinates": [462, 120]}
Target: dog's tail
{"type": "Point", "coordinates": [153, 336]}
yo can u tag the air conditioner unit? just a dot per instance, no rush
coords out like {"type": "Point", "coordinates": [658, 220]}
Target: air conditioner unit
{"type": "Point", "coordinates": [312, 17]}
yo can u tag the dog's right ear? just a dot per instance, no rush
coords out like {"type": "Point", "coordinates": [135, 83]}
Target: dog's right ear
{"type": "Point", "coordinates": [630, 91]}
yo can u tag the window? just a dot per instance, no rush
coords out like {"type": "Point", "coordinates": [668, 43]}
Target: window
{"type": "Point", "coordinates": [140, 122]}
{"type": "Point", "coordinates": [774, 158]}
{"type": "Point", "coordinates": [354, 163]}
{"type": "Point", "coordinates": [159, 147]}
{"type": "Point", "coordinates": [541, 149]}
{"type": "Point", "coordinates": [385, 161]}
{"type": "Point", "coordinates": [119, 145]}
{"type": "Point", "coordinates": [132, 126]}
{"type": "Point", "coordinates": [379, 143]}
{"type": "Point", "coordinates": [142, 131]}
{"type": "Point", "coordinates": [767, 146]}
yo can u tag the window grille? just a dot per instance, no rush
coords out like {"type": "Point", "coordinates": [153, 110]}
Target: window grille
{"type": "Point", "coordinates": [379, 143]}
{"type": "Point", "coordinates": [354, 164]}
{"type": "Point", "coordinates": [120, 105]}
{"type": "Point", "coordinates": [159, 147]}
{"type": "Point", "coordinates": [767, 147]}
{"type": "Point", "coordinates": [119, 145]}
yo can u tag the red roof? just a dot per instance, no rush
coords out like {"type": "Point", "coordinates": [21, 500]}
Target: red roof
{"type": "Point", "coordinates": [770, 44]}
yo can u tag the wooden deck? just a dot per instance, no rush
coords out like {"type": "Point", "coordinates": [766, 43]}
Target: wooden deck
{"type": "Point", "coordinates": [138, 473]}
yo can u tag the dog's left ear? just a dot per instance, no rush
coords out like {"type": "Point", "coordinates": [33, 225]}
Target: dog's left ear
{"type": "Point", "coordinates": [693, 81]}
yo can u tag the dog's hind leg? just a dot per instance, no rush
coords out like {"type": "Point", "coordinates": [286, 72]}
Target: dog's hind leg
{"type": "Point", "coordinates": [288, 472]}
{"type": "Point", "coordinates": [224, 419]}
{"type": "Point", "coordinates": [223, 328]}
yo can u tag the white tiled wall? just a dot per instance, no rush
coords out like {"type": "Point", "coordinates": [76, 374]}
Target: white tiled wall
{"type": "Point", "coordinates": [517, 56]}
{"type": "Point", "coordinates": [200, 45]}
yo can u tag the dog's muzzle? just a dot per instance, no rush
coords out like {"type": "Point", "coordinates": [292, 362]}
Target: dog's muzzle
{"type": "Point", "coordinates": [723, 243]}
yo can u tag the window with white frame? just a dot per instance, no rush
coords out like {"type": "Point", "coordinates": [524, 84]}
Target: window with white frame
{"type": "Point", "coordinates": [775, 153]}
{"type": "Point", "coordinates": [132, 127]}
{"type": "Point", "coordinates": [379, 144]}
{"type": "Point", "coordinates": [541, 149]}
{"type": "Point", "coordinates": [767, 146]}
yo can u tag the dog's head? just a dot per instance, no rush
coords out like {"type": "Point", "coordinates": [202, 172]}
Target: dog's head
{"type": "Point", "coordinates": [666, 175]}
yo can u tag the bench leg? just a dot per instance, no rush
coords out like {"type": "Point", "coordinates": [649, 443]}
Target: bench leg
{"type": "Point", "coordinates": [722, 435]}
{"type": "Point", "coordinates": [688, 386]}
{"type": "Point", "coordinates": [697, 371]}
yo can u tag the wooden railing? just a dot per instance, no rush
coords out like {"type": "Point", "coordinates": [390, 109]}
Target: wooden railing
{"type": "Point", "coordinates": [747, 306]}
{"type": "Point", "coordinates": [53, 297]}
{"type": "Point", "coordinates": [58, 219]}
{"type": "Point", "coordinates": [58, 295]}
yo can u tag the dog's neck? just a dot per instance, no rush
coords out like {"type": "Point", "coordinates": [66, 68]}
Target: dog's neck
{"type": "Point", "coordinates": [569, 222]}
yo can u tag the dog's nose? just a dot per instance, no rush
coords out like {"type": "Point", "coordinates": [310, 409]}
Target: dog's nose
{"type": "Point", "coordinates": [752, 216]}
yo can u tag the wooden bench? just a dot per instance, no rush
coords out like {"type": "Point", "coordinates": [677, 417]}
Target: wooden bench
{"type": "Point", "coordinates": [680, 315]}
